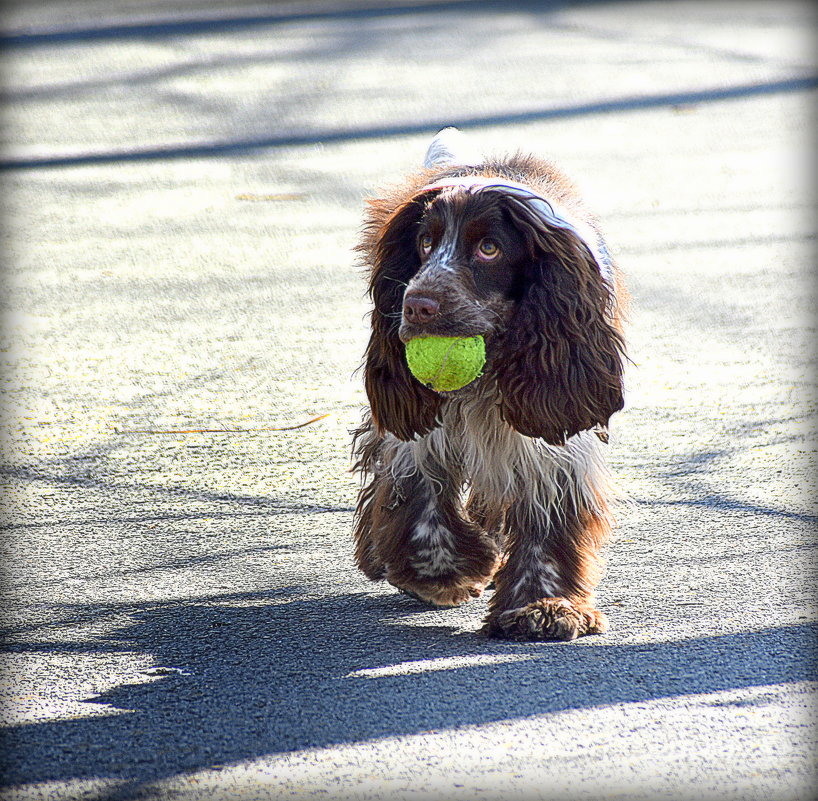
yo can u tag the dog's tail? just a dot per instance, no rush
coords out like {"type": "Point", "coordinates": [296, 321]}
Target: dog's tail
{"type": "Point", "coordinates": [451, 148]}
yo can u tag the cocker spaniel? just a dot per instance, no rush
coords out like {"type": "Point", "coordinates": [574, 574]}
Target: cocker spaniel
{"type": "Point", "coordinates": [503, 480]}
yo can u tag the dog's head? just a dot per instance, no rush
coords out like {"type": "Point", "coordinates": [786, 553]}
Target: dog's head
{"type": "Point", "coordinates": [476, 254]}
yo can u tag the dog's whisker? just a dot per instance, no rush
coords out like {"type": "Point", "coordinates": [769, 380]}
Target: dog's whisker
{"type": "Point", "coordinates": [396, 280]}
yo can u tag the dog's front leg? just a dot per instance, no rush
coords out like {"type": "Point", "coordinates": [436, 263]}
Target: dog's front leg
{"type": "Point", "coordinates": [544, 591]}
{"type": "Point", "coordinates": [418, 531]}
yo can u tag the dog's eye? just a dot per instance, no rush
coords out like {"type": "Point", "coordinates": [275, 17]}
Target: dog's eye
{"type": "Point", "coordinates": [425, 244]}
{"type": "Point", "coordinates": [488, 249]}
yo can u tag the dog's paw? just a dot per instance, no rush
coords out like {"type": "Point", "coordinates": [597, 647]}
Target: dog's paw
{"type": "Point", "coordinates": [546, 619]}
{"type": "Point", "coordinates": [444, 595]}
{"type": "Point", "coordinates": [451, 590]}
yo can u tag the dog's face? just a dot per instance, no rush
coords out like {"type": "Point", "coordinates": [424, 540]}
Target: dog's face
{"type": "Point", "coordinates": [491, 259]}
{"type": "Point", "coordinates": [470, 272]}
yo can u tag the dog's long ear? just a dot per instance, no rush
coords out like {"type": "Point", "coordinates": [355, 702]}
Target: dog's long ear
{"type": "Point", "coordinates": [400, 403]}
{"type": "Point", "coordinates": [559, 364]}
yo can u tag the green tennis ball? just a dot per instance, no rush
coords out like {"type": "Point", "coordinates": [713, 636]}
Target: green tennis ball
{"type": "Point", "coordinates": [446, 363]}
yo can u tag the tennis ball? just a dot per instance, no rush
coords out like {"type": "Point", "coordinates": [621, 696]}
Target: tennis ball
{"type": "Point", "coordinates": [446, 363]}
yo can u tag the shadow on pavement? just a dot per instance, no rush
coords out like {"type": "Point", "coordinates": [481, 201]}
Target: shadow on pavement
{"type": "Point", "coordinates": [231, 21]}
{"type": "Point", "coordinates": [330, 136]}
{"type": "Point", "coordinates": [284, 672]}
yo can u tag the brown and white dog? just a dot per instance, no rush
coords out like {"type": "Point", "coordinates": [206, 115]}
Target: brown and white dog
{"type": "Point", "coordinates": [504, 479]}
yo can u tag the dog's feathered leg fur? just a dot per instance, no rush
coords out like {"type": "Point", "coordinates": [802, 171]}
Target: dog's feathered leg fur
{"type": "Point", "coordinates": [411, 528]}
{"type": "Point", "coordinates": [545, 588]}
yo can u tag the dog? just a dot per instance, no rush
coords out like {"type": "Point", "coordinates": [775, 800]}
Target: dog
{"type": "Point", "coordinates": [504, 480]}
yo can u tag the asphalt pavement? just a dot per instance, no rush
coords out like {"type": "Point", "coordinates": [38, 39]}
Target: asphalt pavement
{"type": "Point", "coordinates": [182, 189]}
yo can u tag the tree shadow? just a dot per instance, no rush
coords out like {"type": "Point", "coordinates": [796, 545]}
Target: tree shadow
{"type": "Point", "coordinates": [327, 136]}
{"type": "Point", "coordinates": [278, 132]}
{"type": "Point", "coordinates": [220, 23]}
{"type": "Point", "coordinates": [281, 672]}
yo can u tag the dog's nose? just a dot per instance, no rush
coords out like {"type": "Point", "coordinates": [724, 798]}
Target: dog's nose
{"type": "Point", "coordinates": [419, 310]}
